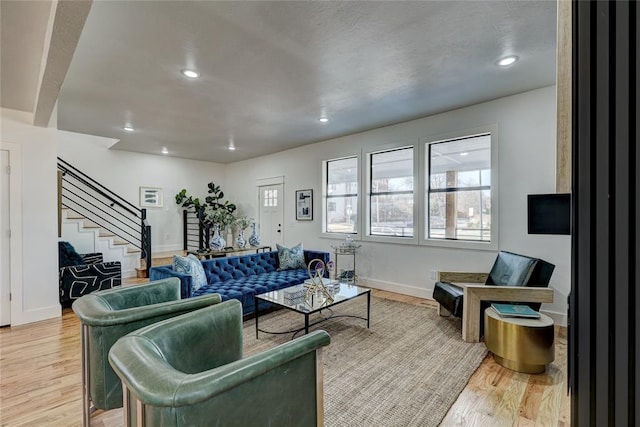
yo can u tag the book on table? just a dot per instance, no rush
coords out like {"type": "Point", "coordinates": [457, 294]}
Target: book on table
{"type": "Point", "coordinates": [515, 310]}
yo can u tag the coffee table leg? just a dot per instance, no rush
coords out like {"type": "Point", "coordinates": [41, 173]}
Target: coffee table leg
{"type": "Point", "coordinates": [255, 307]}
{"type": "Point", "coordinates": [306, 323]}
{"type": "Point", "coordinates": [368, 308]}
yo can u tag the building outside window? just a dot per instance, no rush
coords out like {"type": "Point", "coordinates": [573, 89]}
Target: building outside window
{"type": "Point", "coordinates": [391, 193]}
{"type": "Point", "coordinates": [458, 196]}
{"type": "Point", "coordinates": [341, 195]}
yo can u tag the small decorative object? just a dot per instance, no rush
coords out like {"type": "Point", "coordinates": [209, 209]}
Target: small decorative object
{"type": "Point", "coordinates": [348, 241]}
{"type": "Point", "coordinates": [315, 285]}
{"type": "Point", "coordinates": [217, 242]}
{"type": "Point", "coordinates": [304, 205]}
{"type": "Point", "coordinates": [240, 241]}
{"type": "Point", "coordinates": [254, 239]}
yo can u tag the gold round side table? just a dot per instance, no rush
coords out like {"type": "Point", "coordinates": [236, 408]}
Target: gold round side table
{"type": "Point", "coordinates": [518, 343]}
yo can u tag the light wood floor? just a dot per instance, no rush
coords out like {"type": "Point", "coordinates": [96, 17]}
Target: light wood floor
{"type": "Point", "coordinates": [40, 382]}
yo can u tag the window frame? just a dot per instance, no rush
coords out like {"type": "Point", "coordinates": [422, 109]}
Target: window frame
{"type": "Point", "coordinates": [366, 201]}
{"type": "Point", "coordinates": [492, 245]}
{"type": "Point", "coordinates": [326, 199]}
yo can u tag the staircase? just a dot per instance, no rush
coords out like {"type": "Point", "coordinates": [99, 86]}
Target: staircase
{"type": "Point", "coordinates": [95, 219]}
{"type": "Point", "coordinates": [88, 237]}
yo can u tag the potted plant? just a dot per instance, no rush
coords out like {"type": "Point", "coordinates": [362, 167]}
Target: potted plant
{"type": "Point", "coordinates": [214, 211]}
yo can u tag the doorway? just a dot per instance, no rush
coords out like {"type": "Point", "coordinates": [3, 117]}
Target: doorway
{"type": "Point", "coordinates": [271, 201]}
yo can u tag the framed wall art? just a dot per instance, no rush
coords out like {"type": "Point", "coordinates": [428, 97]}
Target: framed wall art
{"type": "Point", "coordinates": [304, 205]}
{"type": "Point", "coordinates": [150, 197]}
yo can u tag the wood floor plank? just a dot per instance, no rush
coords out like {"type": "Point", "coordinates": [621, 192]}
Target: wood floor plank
{"type": "Point", "coordinates": [40, 381]}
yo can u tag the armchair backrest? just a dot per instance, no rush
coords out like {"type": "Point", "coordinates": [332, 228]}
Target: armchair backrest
{"type": "Point", "coordinates": [108, 315]}
{"type": "Point", "coordinates": [130, 297]}
{"type": "Point", "coordinates": [511, 269]}
{"type": "Point", "coordinates": [175, 384]}
{"type": "Point", "coordinates": [200, 342]}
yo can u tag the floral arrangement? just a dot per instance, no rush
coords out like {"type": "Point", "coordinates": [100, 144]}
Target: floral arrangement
{"type": "Point", "coordinates": [222, 217]}
{"type": "Point", "coordinates": [243, 222]}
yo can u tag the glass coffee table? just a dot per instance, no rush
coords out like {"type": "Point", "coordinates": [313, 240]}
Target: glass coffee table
{"type": "Point", "coordinates": [293, 298]}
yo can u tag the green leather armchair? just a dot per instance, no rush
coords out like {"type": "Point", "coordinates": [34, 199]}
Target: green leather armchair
{"type": "Point", "coordinates": [108, 315]}
{"type": "Point", "coordinates": [189, 371]}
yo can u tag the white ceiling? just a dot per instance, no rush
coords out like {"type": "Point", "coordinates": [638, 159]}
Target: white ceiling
{"type": "Point", "coordinates": [270, 69]}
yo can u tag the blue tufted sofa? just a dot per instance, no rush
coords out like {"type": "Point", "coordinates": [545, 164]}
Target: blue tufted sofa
{"type": "Point", "coordinates": [241, 277]}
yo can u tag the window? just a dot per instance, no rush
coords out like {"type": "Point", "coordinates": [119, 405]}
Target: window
{"type": "Point", "coordinates": [270, 198]}
{"type": "Point", "coordinates": [341, 195]}
{"type": "Point", "coordinates": [458, 181]}
{"type": "Point", "coordinates": [391, 193]}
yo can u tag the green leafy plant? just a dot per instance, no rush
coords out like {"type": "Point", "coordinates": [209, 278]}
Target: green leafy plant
{"type": "Point", "coordinates": [243, 222]}
{"type": "Point", "coordinates": [215, 210]}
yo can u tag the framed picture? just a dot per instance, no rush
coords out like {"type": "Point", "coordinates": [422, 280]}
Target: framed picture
{"type": "Point", "coordinates": [304, 205]}
{"type": "Point", "coordinates": [150, 197]}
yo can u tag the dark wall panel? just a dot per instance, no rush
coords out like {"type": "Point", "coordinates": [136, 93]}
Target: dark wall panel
{"type": "Point", "coordinates": [603, 325]}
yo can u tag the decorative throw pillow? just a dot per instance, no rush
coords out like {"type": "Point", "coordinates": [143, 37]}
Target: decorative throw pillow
{"type": "Point", "coordinates": [192, 266]}
{"type": "Point", "coordinates": [67, 255]}
{"type": "Point", "coordinates": [291, 258]}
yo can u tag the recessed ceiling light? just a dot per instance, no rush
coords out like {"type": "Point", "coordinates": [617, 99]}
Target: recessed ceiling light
{"type": "Point", "coordinates": [191, 74]}
{"type": "Point", "coordinates": [507, 60]}
{"type": "Point", "coordinates": [165, 150]}
{"type": "Point", "coordinates": [232, 146]}
{"type": "Point", "coordinates": [128, 128]}
{"type": "Point", "coordinates": [464, 154]}
{"type": "Point", "coordinates": [323, 119]}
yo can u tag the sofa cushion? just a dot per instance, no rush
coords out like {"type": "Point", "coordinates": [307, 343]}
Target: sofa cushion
{"type": "Point", "coordinates": [243, 288]}
{"type": "Point", "coordinates": [192, 266]}
{"type": "Point", "coordinates": [291, 258]}
{"type": "Point", "coordinates": [67, 255]}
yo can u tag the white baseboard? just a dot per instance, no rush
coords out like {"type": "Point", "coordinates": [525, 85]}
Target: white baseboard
{"type": "Point", "coordinates": [166, 248]}
{"type": "Point", "coordinates": [30, 316]}
{"type": "Point", "coordinates": [395, 287]}
{"type": "Point", "coordinates": [558, 318]}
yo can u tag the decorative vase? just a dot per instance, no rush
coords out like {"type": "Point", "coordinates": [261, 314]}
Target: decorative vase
{"type": "Point", "coordinates": [217, 242]}
{"type": "Point", "coordinates": [240, 242]}
{"type": "Point", "coordinates": [254, 239]}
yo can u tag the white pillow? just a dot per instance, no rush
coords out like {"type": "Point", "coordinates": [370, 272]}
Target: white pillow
{"type": "Point", "coordinates": [192, 266]}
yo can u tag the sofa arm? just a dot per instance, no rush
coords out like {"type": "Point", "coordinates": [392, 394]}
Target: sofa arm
{"type": "Point", "coordinates": [78, 280]}
{"type": "Point", "coordinates": [474, 294]}
{"type": "Point", "coordinates": [165, 272]}
{"type": "Point", "coordinates": [311, 255]}
{"type": "Point", "coordinates": [93, 258]}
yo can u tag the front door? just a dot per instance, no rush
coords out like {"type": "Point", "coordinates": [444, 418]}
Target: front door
{"type": "Point", "coordinates": [271, 230]}
{"type": "Point", "coordinates": [5, 245]}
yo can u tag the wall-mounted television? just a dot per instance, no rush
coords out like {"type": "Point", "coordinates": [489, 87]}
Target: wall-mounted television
{"type": "Point", "coordinates": [549, 213]}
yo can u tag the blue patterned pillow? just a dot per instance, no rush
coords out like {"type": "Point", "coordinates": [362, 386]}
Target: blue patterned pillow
{"type": "Point", "coordinates": [291, 258]}
{"type": "Point", "coordinates": [192, 266]}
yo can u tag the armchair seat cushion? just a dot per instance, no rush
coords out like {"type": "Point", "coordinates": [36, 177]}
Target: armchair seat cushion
{"type": "Point", "coordinates": [450, 297]}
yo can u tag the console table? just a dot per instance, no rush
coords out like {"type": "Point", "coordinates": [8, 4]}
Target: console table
{"type": "Point", "coordinates": [210, 253]}
{"type": "Point", "coordinates": [347, 276]}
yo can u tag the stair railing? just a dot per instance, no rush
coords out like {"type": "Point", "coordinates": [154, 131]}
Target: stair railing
{"type": "Point", "coordinates": [195, 235]}
{"type": "Point", "coordinates": [87, 197]}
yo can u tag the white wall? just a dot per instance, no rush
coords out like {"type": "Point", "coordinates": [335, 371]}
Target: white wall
{"type": "Point", "coordinates": [38, 297]}
{"type": "Point", "coordinates": [125, 172]}
{"type": "Point", "coordinates": [526, 129]}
